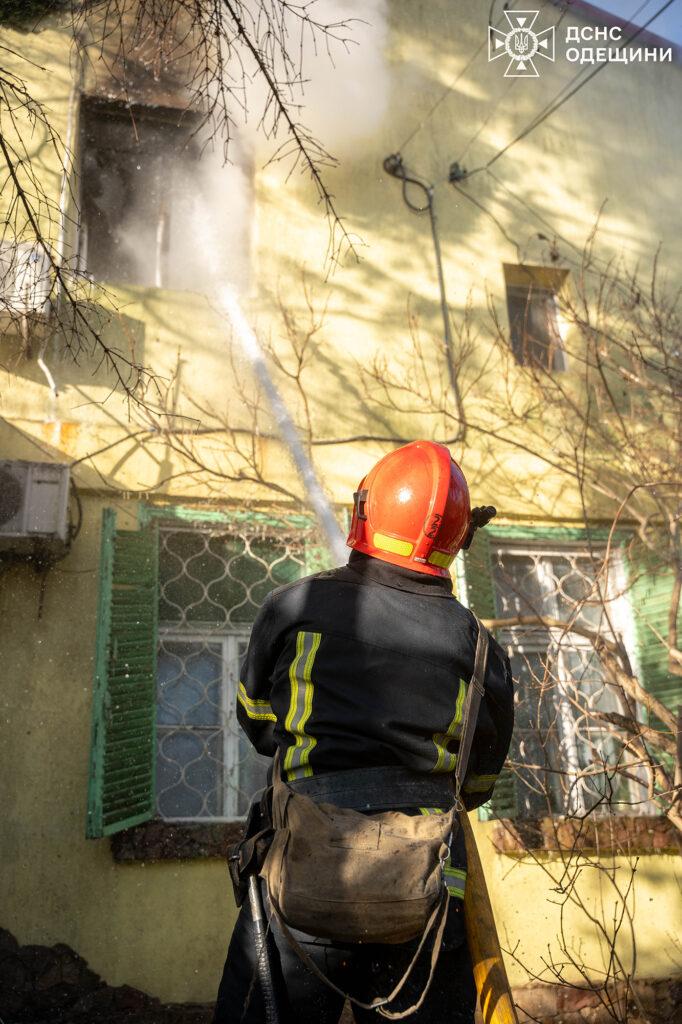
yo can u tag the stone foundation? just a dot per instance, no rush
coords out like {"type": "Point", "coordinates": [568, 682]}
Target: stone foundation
{"type": "Point", "coordinates": [53, 985]}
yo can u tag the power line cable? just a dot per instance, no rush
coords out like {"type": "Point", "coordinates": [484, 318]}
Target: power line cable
{"type": "Point", "coordinates": [504, 95]}
{"type": "Point", "coordinates": [585, 71]}
{"type": "Point", "coordinates": [558, 102]}
{"type": "Point", "coordinates": [446, 92]}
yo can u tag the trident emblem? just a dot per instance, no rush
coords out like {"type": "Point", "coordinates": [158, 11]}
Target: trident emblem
{"type": "Point", "coordinates": [520, 41]}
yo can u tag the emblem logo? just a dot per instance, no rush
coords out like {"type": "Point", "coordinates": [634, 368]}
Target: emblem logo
{"type": "Point", "coordinates": [521, 44]}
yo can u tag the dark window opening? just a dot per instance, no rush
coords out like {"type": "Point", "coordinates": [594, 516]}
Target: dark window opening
{"type": "Point", "coordinates": [159, 207]}
{"type": "Point", "coordinates": [534, 327]}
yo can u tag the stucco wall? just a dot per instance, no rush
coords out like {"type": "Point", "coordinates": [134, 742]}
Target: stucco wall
{"type": "Point", "coordinates": [164, 927]}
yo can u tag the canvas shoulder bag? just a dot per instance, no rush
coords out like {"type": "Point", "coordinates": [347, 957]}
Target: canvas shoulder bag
{"type": "Point", "coordinates": [337, 873]}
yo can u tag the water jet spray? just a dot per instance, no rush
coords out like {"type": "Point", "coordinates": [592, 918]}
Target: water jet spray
{"type": "Point", "coordinates": [251, 348]}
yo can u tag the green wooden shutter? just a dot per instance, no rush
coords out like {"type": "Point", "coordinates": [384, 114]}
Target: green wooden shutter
{"type": "Point", "coordinates": [480, 590]}
{"type": "Point", "coordinates": [650, 596]}
{"type": "Point", "coordinates": [123, 746]}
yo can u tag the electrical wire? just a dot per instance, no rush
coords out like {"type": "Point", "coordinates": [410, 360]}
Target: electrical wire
{"type": "Point", "coordinates": [559, 99]}
{"type": "Point", "coordinates": [446, 92]}
{"type": "Point", "coordinates": [504, 95]}
{"type": "Point", "coordinates": [585, 71]}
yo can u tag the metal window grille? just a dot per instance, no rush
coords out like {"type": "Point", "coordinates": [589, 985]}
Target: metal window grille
{"type": "Point", "coordinates": [212, 582]}
{"type": "Point", "coordinates": [566, 760]}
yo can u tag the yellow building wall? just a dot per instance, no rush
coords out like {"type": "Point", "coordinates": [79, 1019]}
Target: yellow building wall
{"type": "Point", "coordinates": [163, 927]}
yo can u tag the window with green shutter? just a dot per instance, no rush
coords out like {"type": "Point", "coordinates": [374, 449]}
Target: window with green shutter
{"type": "Point", "coordinates": [121, 783]}
{"type": "Point", "coordinates": [177, 601]}
{"type": "Point", "coordinates": [564, 755]}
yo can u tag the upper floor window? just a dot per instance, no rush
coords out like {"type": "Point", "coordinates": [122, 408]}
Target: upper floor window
{"type": "Point", "coordinates": [534, 323]}
{"type": "Point", "coordinates": [158, 206]}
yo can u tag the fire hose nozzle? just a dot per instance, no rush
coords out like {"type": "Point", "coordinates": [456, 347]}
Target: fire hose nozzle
{"type": "Point", "coordinates": [480, 516]}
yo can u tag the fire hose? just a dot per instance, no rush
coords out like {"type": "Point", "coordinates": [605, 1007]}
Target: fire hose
{"type": "Point", "coordinates": [490, 975]}
{"type": "Point", "coordinates": [260, 934]}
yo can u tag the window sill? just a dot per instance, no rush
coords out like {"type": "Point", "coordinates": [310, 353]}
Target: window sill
{"type": "Point", "coordinates": [619, 834]}
{"type": "Point", "coordinates": [168, 840]}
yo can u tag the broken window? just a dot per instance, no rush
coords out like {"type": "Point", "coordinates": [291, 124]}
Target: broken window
{"type": "Point", "coordinates": [533, 310]}
{"type": "Point", "coordinates": [158, 207]}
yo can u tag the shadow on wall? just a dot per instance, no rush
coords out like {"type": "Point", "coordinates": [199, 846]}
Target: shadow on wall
{"type": "Point", "coordinates": [74, 346]}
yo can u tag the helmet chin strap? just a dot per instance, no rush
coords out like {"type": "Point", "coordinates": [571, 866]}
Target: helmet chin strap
{"type": "Point", "coordinates": [480, 516]}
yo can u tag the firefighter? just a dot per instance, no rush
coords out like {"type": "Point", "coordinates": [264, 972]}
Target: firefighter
{"type": "Point", "coordinates": [358, 675]}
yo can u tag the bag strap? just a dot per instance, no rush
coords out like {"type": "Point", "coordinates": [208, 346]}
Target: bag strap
{"type": "Point", "coordinates": [380, 1001]}
{"type": "Point", "coordinates": [472, 703]}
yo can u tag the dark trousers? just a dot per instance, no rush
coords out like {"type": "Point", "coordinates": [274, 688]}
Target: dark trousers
{"type": "Point", "coordinates": [365, 971]}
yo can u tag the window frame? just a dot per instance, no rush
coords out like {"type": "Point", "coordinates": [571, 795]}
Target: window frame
{"type": "Point", "coordinates": [184, 122]}
{"type": "Point", "coordinates": [314, 556]}
{"type": "Point", "coordinates": [225, 640]}
{"type": "Point", "coordinates": [523, 283]}
{"type": "Point", "coordinates": [475, 587]}
{"type": "Point", "coordinates": [540, 640]}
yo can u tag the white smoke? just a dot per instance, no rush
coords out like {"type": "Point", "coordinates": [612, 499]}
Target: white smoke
{"type": "Point", "coordinates": [184, 221]}
{"type": "Point", "coordinates": [346, 96]}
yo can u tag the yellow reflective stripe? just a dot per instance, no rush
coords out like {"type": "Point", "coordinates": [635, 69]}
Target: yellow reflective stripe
{"type": "Point", "coordinates": [301, 705]}
{"type": "Point", "coordinates": [445, 761]}
{"type": "Point", "coordinates": [455, 881]}
{"type": "Point", "coordinates": [392, 544]}
{"type": "Point", "coordinates": [293, 689]}
{"type": "Point", "coordinates": [257, 709]}
{"type": "Point", "coordinates": [441, 559]}
{"type": "Point", "coordinates": [431, 810]}
{"type": "Point", "coordinates": [479, 783]}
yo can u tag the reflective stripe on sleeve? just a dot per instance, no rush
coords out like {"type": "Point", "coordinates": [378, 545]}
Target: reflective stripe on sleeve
{"type": "Point", "coordinates": [296, 759]}
{"type": "Point", "coordinates": [445, 760]}
{"type": "Point", "coordinates": [261, 710]}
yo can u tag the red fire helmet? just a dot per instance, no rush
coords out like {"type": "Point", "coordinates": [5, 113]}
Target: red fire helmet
{"type": "Point", "coordinates": [412, 509]}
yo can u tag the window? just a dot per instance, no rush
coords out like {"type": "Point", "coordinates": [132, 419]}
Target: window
{"type": "Point", "coordinates": [568, 754]}
{"type": "Point", "coordinates": [534, 316]}
{"type": "Point", "coordinates": [178, 598]}
{"type": "Point", "coordinates": [567, 761]}
{"type": "Point", "coordinates": [158, 207]}
{"type": "Point", "coordinates": [211, 584]}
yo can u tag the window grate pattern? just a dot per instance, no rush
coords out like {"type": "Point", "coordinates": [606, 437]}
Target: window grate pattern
{"type": "Point", "coordinates": [212, 583]}
{"type": "Point", "coordinates": [565, 758]}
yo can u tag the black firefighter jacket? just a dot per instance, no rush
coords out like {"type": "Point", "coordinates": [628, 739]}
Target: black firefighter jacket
{"type": "Point", "coordinates": [368, 665]}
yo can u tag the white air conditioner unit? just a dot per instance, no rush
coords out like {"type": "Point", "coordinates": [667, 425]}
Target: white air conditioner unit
{"type": "Point", "coordinates": [25, 278]}
{"type": "Point", "coordinates": [34, 499]}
